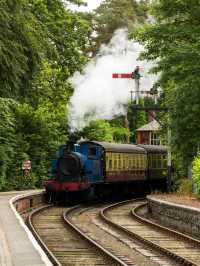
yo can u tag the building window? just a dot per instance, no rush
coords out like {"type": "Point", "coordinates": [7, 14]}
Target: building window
{"type": "Point", "coordinates": [155, 140]}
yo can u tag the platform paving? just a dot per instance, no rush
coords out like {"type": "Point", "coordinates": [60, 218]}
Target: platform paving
{"type": "Point", "coordinates": [16, 249]}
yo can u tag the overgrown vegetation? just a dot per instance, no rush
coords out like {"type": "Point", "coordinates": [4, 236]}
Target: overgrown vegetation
{"type": "Point", "coordinates": [112, 15]}
{"type": "Point", "coordinates": [42, 44]}
{"type": "Point", "coordinates": [196, 173]}
{"type": "Point", "coordinates": [172, 39]}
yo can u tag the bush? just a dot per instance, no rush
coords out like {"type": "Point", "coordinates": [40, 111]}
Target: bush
{"type": "Point", "coordinates": [196, 172]}
{"type": "Point", "coordinates": [184, 186]}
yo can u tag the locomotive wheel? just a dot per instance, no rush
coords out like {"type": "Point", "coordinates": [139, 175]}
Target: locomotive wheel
{"type": "Point", "coordinates": [63, 197]}
{"type": "Point", "coordinates": [47, 196]}
{"type": "Point", "coordinates": [87, 194]}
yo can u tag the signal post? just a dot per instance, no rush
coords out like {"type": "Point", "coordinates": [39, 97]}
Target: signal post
{"type": "Point", "coordinates": [153, 92]}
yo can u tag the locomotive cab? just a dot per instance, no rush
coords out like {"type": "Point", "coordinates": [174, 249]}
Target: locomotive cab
{"type": "Point", "coordinates": [93, 164]}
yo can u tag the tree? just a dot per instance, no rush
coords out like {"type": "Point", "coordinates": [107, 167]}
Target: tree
{"type": "Point", "coordinates": [41, 45]}
{"type": "Point", "coordinates": [99, 130]}
{"type": "Point", "coordinates": [7, 137]}
{"type": "Point", "coordinates": [112, 15]}
{"type": "Point", "coordinates": [21, 46]}
{"type": "Point", "coordinates": [33, 30]}
{"type": "Point", "coordinates": [66, 31]}
{"type": "Point", "coordinates": [173, 41]}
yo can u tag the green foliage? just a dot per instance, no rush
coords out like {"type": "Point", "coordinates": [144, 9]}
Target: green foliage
{"type": "Point", "coordinates": [21, 46]}
{"type": "Point", "coordinates": [184, 186]}
{"type": "Point", "coordinates": [31, 30]}
{"type": "Point", "coordinates": [120, 134]}
{"type": "Point", "coordinates": [41, 45]}
{"type": "Point", "coordinates": [196, 172]}
{"type": "Point", "coordinates": [7, 137]}
{"type": "Point", "coordinates": [173, 41]}
{"type": "Point", "coordinates": [27, 134]}
{"type": "Point", "coordinates": [98, 130]}
{"type": "Point", "coordinates": [112, 15]}
{"type": "Point", "coordinates": [66, 31]}
{"type": "Point", "coordinates": [102, 130]}
{"type": "Point", "coordinates": [136, 119]}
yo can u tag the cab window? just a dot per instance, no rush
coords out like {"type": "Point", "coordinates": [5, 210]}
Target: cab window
{"type": "Point", "coordinates": [92, 152]}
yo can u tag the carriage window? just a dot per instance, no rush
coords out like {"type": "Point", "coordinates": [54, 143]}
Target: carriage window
{"type": "Point", "coordinates": [110, 165]}
{"type": "Point", "coordinates": [115, 163]}
{"type": "Point", "coordinates": [133, 162]}
{"type": "Point", "coordinates": [92, 151]}
{"type": "Point", "coordinates": [136, 162]}
{"type": "Point", "coordinates": [145, 161]}
{"type": "Point", "coordinates": [124, 164]}
{"type": "Point", "coordinates": [120, 163]}
{"type": "Point", "coordinates": [129, 162]}
{"type": "Point", "coordinates": [141, 162]}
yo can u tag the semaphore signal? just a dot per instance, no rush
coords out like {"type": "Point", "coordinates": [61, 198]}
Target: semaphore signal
{"type": "Point", "coordinates": [134, 75]}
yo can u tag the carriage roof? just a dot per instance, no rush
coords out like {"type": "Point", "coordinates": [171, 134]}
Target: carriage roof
{"type": "Point", "coordinates": [154, 148]}
{"type": "Point", "coordinates": [116, 147]}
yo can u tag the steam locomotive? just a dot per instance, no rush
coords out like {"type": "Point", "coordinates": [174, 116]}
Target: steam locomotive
{"type": "Point", "coordinates": [102, 168]}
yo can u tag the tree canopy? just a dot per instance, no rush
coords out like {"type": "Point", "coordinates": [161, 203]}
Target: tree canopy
{"type": "Point", "coordinates": [172, 40]}
{"type": "Point", "coordinates": [42, 44]}
{"type": "Point", "coordinates": [112, 15]}
{"type": "Point", "coordinates": [21, 43]}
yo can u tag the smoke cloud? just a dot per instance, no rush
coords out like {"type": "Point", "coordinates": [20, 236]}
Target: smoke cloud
{"type": "Point", "coordinates": [96, 94]}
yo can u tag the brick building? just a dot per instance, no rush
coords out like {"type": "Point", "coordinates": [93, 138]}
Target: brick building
{"type": "Point", "coordinates": [149, 134]}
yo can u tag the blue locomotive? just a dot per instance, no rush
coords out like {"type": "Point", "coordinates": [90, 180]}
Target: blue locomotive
{"type": "Point", "coordinates": [104, 168]}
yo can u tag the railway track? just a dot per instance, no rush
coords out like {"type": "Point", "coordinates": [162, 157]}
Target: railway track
{"type": "Point", "coordinates": [129, 250]}
{"type": "Point", "coordinates": [87, 235]}
{"type": "Point", "coordinates": [64, 243]}
{"type": "Point", "coordinates": [183, 249]}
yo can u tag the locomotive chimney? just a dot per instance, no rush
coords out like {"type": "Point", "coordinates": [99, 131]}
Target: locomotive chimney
{"type": "Point", "coordinates": [70, 143]}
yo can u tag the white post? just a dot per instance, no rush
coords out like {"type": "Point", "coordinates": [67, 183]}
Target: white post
{"type": "Point", "coordinates": [137, 89]}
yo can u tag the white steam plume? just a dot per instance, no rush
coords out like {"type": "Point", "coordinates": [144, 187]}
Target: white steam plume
{"type": "Point", "coordinates": [96, 94]}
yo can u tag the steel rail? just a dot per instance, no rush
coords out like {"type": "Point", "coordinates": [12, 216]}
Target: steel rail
{"type": "Point", "coordinates": [168, 230]}
{"type": "Point", "coordinates": [162, 227]}
{"type": "Point", "coordinates": [92, 242]}
{"type": "Point", "coordinates": [106, 254]}
{"type": "Point", "coordinates": [149, 243]}
{"type": "Point", "coordinates": [49, 254]}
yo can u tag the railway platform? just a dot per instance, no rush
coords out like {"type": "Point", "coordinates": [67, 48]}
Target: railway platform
{"type": "Point", "coordinates": [17, 247]}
